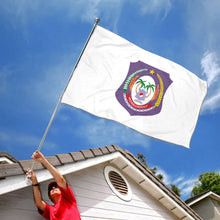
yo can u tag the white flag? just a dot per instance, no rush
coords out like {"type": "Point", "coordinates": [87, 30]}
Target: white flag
{"type": "Point", "coordinates": [118, 80]}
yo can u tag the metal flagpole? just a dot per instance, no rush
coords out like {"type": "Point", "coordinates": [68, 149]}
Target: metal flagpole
{"type": "Point", "coordinates": [56, 108]}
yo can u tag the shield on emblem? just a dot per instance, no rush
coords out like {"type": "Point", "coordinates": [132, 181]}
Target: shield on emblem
{"type": "Point", "coordinates": [143, 89]}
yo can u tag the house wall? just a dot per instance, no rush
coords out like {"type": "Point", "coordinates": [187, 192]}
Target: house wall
{"type": "Point", "coordinates": [206, 209]}
{"type": "Point", "coordinates": [94, 197]}
{"type": "Point", "coordinates": [18, 205]}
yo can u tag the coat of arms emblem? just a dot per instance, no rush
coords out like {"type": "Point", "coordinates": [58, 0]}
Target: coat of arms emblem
{"type": "Point", "coordinates": [143, 89]}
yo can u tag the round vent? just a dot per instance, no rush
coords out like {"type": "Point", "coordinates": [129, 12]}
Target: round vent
{"type": "Point", "coordinates": [117, 183]}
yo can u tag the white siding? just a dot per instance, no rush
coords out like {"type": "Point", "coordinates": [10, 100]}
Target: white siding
{"type": "Point", "coordinates": [18, 205]}
{"type": "Point", "coordinates": [94, 197]}
{"type": "Point", "coordinates": [97, 201]}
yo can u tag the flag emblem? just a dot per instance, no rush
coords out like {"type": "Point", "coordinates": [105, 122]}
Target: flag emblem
{"type": "Point", "coordinates": [143, 89]}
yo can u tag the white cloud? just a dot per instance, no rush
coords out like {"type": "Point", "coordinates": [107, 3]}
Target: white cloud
{"type": "Point", "coordinates": [108, 10]}
{"type": "Point", "coordinates": [185, 185]}
{"type": "Point", "coordinates": [211, 103]}
{"type": "Point", "coordinates": [166, 176]}
{"type": "Point", "coordinates": [55, 77]}
{"type": "Point", "coordinates": [155, 7]}
{"type": "Point", "coordinates": [203, 22]}
{"type": "Point", "coordinates": [178, 180]}
{"type": "Point", "coordinates": [23, 12]}
{"type": "Point", "coordinates": [101, 132]}
{"type": "Point", "coordinates": [211, 69]}
{"type": "Point", "coordinates": [202, 26]}
{"type": "Point", "coordinates": [14, 139]}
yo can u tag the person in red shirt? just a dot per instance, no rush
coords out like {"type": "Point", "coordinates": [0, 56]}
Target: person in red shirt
{"type": "Point", "coordinates": [60, 193]}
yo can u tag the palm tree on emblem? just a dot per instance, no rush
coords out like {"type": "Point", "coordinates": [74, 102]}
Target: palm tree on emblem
{"type": "Point", "coordinates": [142, 93]}
{"type": "Point", "coordinates": [151, 86]}
{"type": "Point", "coordinates": [141, 82]}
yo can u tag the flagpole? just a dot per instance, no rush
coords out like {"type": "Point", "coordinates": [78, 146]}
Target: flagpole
{"type": "Point", "coordinates": [57, 106]}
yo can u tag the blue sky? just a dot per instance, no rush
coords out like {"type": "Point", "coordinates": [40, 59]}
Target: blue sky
{"type": "Point", "coordinates": [40, 43]}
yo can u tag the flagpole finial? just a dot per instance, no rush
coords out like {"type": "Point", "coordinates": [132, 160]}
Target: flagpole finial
{"type": "Point", "coordinates": [97, 20]}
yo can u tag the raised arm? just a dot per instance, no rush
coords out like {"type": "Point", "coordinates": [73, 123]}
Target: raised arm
{"type": "Point", "coordinates": [36, 191]}
{"type": "Point", "coordinates": [39, 157]}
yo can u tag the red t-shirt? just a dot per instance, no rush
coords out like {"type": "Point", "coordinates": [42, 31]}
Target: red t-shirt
{"type": "Point", "coordinates": [65, 209]}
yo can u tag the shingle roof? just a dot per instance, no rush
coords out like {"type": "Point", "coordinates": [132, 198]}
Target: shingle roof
{"type": "Point", "coordinates": [193, 200]}
{"type": "Point", "coordinates": [9, 156]}
{"type": "Point", "coordinates": [19, 167]}
{"type": "Point", "coordinates": [189, 200]}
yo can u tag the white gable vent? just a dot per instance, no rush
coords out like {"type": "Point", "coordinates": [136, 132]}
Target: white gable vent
{"type": "Point", "coordinates": [117, 183]}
